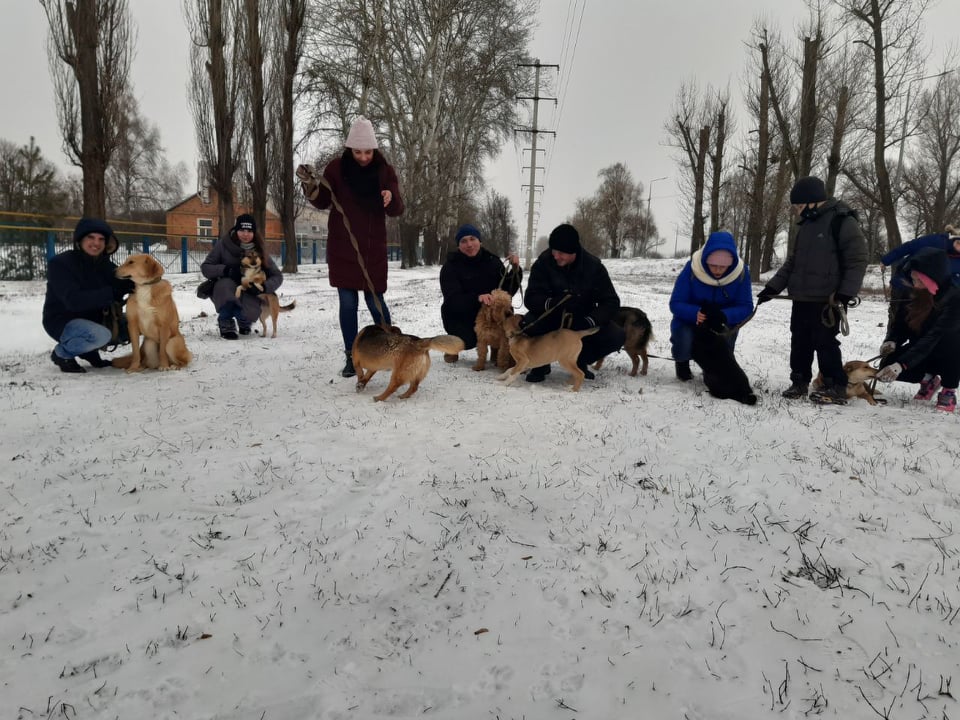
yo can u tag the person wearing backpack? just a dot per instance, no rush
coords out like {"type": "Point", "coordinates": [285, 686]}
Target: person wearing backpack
{"type": "Point", "coordinates": [822, 275]}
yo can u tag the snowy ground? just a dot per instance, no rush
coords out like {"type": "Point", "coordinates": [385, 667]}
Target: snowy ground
{"type": "Point", "coordinates": [250, 538]}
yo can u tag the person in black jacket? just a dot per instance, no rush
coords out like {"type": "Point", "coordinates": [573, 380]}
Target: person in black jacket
{"type": "Point", "coordinates": [81, 287]}
{"type": "Point", "coordinates": [823, 273]}
{"type": "Point", "coordinates": [467, 278]}
{"type": "Point", "coordinates": [569, 287]}
{"type": "Point", "coordinates": [923, 341]}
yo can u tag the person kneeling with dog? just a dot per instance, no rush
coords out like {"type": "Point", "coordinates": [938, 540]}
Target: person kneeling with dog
{"type": "Point", "coordinates": [712, 290]}
{"type": "Point", "coordinates": [570, 288]}
{"type": "Point", "coordinates": [81, 288]}
{"type": "Point", "coordinates": [222, 264]}
{"type": "Point", "coordinates": [923, 342]}
{"type": "Point", "coordinates": [467, 278]}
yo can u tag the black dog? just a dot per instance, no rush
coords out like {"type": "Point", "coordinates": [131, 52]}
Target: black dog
{"type": "Point", "coordinates": [722, 374]}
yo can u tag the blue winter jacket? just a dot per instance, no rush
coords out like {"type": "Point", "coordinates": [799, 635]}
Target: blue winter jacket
{"type": "Point", "coordinates": [696, 287]}
{"type": "Point", "coordinates": [940, 241]}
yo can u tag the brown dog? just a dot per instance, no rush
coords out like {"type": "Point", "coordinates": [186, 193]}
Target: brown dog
{"type": "Point", "coordinates": [270, 307]}
{"type": "Point", "coordinates": [562, 346]}
{"type": "Point", "coordinates": [490, 332]}
{"type": "Point", "coordinates": [253, 274]}
{"type": "Point", "coordinates": [859, 373]}
{"type": "Point", "coordinates": [152, 313]}
{"type": "Point", "coordinates": [407, 356]}
{"type": "Point", "coordinates": [636, 325]}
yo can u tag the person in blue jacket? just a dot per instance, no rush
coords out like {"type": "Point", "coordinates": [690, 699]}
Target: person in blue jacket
{"type": "Point", "coordinates": [713, 288]}
{"type": "Point", "coordinates": [81, 287]}
{"type": "Point", "coordinates": [948, 241]}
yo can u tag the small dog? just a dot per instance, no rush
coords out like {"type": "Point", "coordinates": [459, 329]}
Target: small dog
{"type": "Point", "coordinates": [152, 313]}
{"type": "Point", "coordinates": [407, 356]}
{"type": "Point", "coordinates": [270, 307]}
{"type": "Point", "coordinates": [636, 325]}
{"type": "Point", "coordinates": [562, 346]}
{"type": "Point", "coordinates": [253, 273]}
{"type": "Point", "coordinates": [858, 374]}
{"type": "Point", "coordinates": [722, 374]}
{"type": "Point", "coordinates": [490, 332]}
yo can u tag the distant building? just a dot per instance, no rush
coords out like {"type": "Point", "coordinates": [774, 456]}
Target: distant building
{"type": "Point", "coordinates": [311, 228]}
{"type": "Point", "coordinates": [196, 219]}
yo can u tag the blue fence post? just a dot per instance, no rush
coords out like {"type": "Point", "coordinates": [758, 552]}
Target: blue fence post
{"type": "Point", "coordinates": [183, 254]}
{"type": "Point", "coordinates": [283, 253]}
{"type": "Point", "coordinates": [146, 245]}
{"type": "Point", "coordinates": [314, 251]}
{"type": "Point", "coordinates": [299, 253]}
{"type": "Point", "coordinates": [51, 245]}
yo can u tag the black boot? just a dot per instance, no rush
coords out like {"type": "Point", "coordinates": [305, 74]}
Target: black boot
{"type": "Point", "coordinates": [348, 369]}
{"type": "Point", "coordinates": [537, 374]}
{"type": "Point", "coordinates": [683, 370]}
{"type": "Point", "coordinates": [93, 357]}
{"type": "Point", "coordinates": [68, 365]}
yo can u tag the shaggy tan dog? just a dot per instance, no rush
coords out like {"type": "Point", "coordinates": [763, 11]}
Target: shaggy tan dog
{"type": "Point", "coordinates": [561, 346]}
{"type": "Point", "coordinates": [407, 356]}
{"type": "Point", "coordinates": [858, 374]}
{"type": "Point", "coordinates": [490, 332]}
{"type": "Point", "coordinates": [152, 313]}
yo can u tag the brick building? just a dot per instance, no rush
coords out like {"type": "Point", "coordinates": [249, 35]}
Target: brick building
{"type": "Point", "coordinates": [197, 219]}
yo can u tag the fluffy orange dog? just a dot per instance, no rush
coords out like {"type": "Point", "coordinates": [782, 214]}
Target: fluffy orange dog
{"type": "Point", "coordinates": [490, 332]}
{"type": "Point", "coordinates": [562, 346]}
{"type": "Point", "coordinates": [152, 313]}
{"type": "Point", "coordinates": [407, 356]}
{"type": "Point", "coordinates": [858, 373]}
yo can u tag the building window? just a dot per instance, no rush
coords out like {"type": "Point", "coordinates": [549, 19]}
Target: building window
{"type": "Point", "coordinates": [204, 227]}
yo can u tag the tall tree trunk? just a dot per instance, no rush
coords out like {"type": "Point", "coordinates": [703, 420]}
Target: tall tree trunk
{"type": "Point", "coordinates": [697, 238]}
{"type": "Point", "coordinates": [808, 105]}
{"type": "Point", "coordinates": [834, 160]}
{"type": "Point", "coordinates": [755, 217]}
{"type": "Point", "coordinates": [257, 111]}
{"type": "Point", "coordinates": [409, 237]}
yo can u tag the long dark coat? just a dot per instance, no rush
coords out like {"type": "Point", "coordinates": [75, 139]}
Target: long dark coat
{"type": "Point", "coordinates": [228, 253]}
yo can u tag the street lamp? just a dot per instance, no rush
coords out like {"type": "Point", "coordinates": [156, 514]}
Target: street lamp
{"type": "Point", "coordinates": [646, 220]}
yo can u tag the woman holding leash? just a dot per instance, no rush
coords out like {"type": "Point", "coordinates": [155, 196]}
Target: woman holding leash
{"type": "Point", "coordinates": [222, 265]}
{"type": "Point", "coordinates": [923, 341]}
{"type": "Point", "coordinates": [467, 278]}
{"type": "Point", "coordinates": [713, 288]}
{"type": "Point", "coordinates": [361, 189]}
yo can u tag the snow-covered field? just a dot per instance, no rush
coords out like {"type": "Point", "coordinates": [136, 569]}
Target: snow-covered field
{"type": "Point", "coordinates": [251, 539]}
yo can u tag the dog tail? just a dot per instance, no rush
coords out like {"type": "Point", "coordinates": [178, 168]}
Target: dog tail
{"type": "Point", "coordinates": [289, 306]}
{"type": "Point", "coordinates": [450, 344]}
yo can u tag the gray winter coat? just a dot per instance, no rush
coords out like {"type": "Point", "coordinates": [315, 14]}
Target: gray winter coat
{"type": "Point", "coordinates": [226, 253]}
{"type": "Point", "coordinates": [820, 264]}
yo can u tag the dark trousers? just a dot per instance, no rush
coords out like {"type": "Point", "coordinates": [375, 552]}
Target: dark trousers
{"type": "Point", "coordinates": [463, 328]}
{"type": "Point", "coordinates": [808, 335]}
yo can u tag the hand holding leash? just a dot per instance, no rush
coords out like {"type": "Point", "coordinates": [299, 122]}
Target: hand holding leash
{"type": "Point", "coordinates": [308, 181]}
{"type": "Point", "coordinates": [890, 372]}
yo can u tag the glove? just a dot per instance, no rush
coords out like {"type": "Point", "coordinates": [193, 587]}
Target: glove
{"type": "Point", "coordinates": [583, 322]}
{"type": "Point", "coordinates": [887, 347]}
{"type": "Point", "coordinates": [766, 294]}
{"type": "Point", "coordinates": [890, 372]}
{"type": "Point", "coordinates": [233, 272]}
{"type": "Point", "coordinates": [308, 184]}
{"type": "Point", "coordinates": [715, 319]}
{"type": "Point", "coordinates": [843, 299]}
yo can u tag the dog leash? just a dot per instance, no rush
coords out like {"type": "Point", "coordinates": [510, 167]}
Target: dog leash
{"type": "Point", "coordinates": [834, 313]}
{"type": "Point", "coordinates": [311, 174]}
{"type": "Point", "coordinates": [545, 313]}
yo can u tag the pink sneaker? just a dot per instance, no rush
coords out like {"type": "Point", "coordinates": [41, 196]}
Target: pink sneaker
{"type": "Point", "coordinates": [947, 401]}
{"type": "Point", "coordinates": [928, 388]}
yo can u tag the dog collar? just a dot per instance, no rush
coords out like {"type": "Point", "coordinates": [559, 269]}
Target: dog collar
{"type": "Point", "coordinates": [153, 282]}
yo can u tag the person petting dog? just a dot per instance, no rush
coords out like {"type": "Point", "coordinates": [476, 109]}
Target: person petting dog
{"type": "Point", "coordinates": [81, 287]}
{"type": "Point", "coordinates": [365, 185]}
{"type": "Point", "coordinates": [823, 273]}
{"type": "Point", "coordinates": [469, 275]}
{"type": "Point", "coordinates": [923, 341]}
{"type": "Point", "coordinates": [570, 288]}
{"type": "Point", "coordinates": [236, 313]}
{"type": "Point", "coordinates": [712, 290]}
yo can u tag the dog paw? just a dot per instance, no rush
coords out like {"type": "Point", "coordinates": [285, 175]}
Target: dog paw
{"type": "Point", "coordinates": [133, 369]}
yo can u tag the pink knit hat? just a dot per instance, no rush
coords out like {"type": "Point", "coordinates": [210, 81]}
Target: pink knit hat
{"type": "Point", "coordinates": [720, 257]}
{"type": "Point", "coordinates": [361, 135]}
{"type": "Point", "coordinates": [927, 281]}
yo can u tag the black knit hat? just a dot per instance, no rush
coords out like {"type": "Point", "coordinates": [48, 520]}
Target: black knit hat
{"type": "Point", "coordinates": [808, 190]}
{"type": "Point", "coordinates": [565, 239]}
{"type": "Point", "coordinates": [245, 222]}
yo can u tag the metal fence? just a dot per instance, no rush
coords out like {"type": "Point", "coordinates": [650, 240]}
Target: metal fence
{"type": "Point", "coordinates": [25, 252]}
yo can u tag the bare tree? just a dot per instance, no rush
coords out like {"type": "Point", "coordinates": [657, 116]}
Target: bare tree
{"type": "Point", "coordinates": [496, 220]}
{"type": "Point", "coordinates": [688, 130]}
{"type": "Point", "coordinates": [214, 91]}
{"type": "Point", "coordinates": [90, 47]}
{"type": "Point", "coordinates": [723, 127]}
{"type": "Point", "coordinates": [256, 19]}
{"type": "Point", "coordinates": [891, 30]}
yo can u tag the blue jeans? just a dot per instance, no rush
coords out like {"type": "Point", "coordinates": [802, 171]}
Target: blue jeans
{"type": "Point", "coordinates": [350, 306]}
{"type": "Point", "coordinates": [681, 342]}
{"type": "Point", "coordinates": [80, 337]}
{"type": "Point", "coordinates": [227, 313]}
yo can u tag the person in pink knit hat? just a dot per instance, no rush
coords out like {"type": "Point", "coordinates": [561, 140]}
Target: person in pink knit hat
{"type": "Point", "coordinates": [366, 187]}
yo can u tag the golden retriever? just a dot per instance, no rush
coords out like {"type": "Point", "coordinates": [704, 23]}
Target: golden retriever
{"type": "Point", "coordinates": [406, 356]}
{"type": "Point", "coordinates": [562, 346]}
{"type": "Point", "coordinates": [490, 332]}
{"type": "Point", "coordinates": [151, 313]}
{"type": "Point", "coordinates": [859, 373]}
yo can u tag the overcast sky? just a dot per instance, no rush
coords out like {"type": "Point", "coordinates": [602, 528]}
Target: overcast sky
{"type": "Point", "coordinates": [617, 86]}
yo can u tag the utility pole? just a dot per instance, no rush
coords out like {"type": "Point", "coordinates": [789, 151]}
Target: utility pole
{"type": "Point", "coordinates": [534, 131]}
